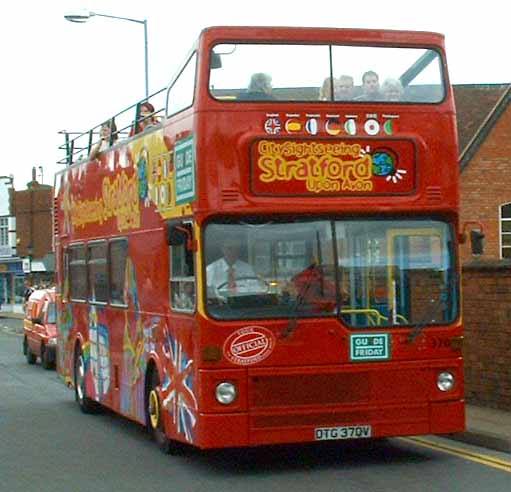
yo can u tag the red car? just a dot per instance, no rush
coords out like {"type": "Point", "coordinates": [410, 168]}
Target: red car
{"type": "Point", "coordinates": [40, 328]}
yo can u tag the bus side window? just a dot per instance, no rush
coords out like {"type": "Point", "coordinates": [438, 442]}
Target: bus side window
{"type": "Point", "coordinates": [66, 276]}
{"type": "Point", "coordinates": [77, 273]}
{"type": "Point", "coordinates": [181, 93]}
{"type": "Point", "coordinates": [117, 255]}
{"type": "Point", "coordinates": [182, 278]}
{"type": "Point", "coordinates": [97, 272]}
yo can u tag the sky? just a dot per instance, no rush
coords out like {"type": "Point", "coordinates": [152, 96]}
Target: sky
{"type": "Point", "coordinates": [59, 75]}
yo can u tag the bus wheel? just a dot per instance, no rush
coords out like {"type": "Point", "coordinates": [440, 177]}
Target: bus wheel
{"type": "Point", "coordinates": [31, 357]}
{"type": "Point", "coordinates": [24, 345]}
{"type": "Point", "coordinates": [155, 417]}
{"type": "Point", "coordinates": [84, 402]}
{"type": "Point", "coordinates": [46, 362]}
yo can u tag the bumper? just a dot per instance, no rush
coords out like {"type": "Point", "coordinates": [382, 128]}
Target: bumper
{"type": "Point", "coordinates": [288, 405]}
{"type": "Point", "coordinates": [217, 431]}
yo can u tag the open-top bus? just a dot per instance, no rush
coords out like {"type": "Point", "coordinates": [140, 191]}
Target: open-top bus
{"type": "Point", "coordinates": [344, 318]}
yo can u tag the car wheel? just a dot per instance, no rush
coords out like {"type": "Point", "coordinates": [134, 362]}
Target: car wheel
{"type": "Point", "coordinates": [154, 417]}
{"type": "Point", "coordinates": [84, 402]}
{"type": "Point", "coordinates": [31, 357]}
{"type": "Point", "coordinates": [46, 362]}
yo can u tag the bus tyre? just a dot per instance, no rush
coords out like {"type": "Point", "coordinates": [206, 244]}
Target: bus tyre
{"type": "Point", "coordinates": [31, 357]}
{"type": "Point", "coordinates": [84, 402]}
{"type": "Point", "coordinates": [46, 361]}
{"type": "Point", "coordinates": [155, 417]}
{"type": "Point", "coordinates": [24, 345]}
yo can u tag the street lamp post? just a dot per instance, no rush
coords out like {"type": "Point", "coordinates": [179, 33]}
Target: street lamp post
{"type": "Point", "coordinates": [84, 15]}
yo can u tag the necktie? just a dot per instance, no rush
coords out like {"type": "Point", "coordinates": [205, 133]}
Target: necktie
{"type": "Point", "coordinates": [231, 280]}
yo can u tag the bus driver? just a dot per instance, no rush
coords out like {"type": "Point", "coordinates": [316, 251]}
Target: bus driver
{"type": "Point", "coordinates": [229, 275]}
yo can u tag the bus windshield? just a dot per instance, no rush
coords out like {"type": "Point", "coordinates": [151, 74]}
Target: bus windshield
{"type": "Point", "coordinates": [292, 72]}
{"type": "Point", "coordinates": [368, 272]}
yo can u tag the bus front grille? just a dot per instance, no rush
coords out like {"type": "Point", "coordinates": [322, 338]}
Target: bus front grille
{"type": "Point", "coordinates": [309, 389]}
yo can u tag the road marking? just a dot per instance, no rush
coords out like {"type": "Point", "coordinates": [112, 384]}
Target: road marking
{"type": "Point", "coordinates": [478, 458]}
{"type": "Point", "coordinates": [11, 331]}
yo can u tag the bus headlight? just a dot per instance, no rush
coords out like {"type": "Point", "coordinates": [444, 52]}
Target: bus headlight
{"type": "Point", "coordinates": [225, 393]}
{"type": "Point", "coordinates": [445, 381]}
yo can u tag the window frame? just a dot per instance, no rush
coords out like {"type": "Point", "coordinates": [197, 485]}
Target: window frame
{"type": "Point", "coordinates": [4, 231]}
{"type": "Point", "coordinates": [331, 45]}
{"type": "Point", "coordinates": [124, 239]}
{"type": "Point", "coordinates": [419, 226]}
{"type": "Point", "coordinates": [502, 219]}
{"type": "Point", "coordinates": [183, 279]}
{"type": "Point", "coordinates": [193, 55]}
{"type": "Point", "coordinates": [97, 261]}
{"type": "Point", "coordinates": [70, 271]}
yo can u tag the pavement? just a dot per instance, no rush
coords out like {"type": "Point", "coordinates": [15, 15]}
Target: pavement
{"type": "Point", "coordinates": [486, 427]}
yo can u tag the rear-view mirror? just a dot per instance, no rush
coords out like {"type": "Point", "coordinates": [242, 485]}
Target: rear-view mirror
{"type": "Point", "coordinates": [216, 61]}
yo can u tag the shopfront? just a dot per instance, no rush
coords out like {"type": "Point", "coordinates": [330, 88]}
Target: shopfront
{"type": "Point", "coordinates": [11, 284]}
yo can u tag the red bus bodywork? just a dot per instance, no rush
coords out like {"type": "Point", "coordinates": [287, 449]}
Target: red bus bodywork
{"type": "Point", "coordinates": [291, 387]}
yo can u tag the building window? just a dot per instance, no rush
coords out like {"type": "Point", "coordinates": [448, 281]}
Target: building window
{"type": "Point", "coordinates": [4, 231]}
{"type": "Point", "coordinates": [505, 231]}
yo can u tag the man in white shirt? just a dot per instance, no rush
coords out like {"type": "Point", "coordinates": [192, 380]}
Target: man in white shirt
{"type": "Point", "coordinates": [229, 275]}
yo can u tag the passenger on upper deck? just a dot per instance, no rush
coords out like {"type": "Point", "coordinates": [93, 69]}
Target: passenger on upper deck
{"type": "Point", "coordinates": [344, 89]}
{"type": "Point", "coordinates": [392, 90]}
{"type": "Point", "coordinates": [108, 128]}
{"type": "Point", "coordinates": [370, 87]}
{"type": "Point", "coordinates": [325, 91]}
{"type": "Point", "coordinates": [146, 119]}
{"type": "Point", "coordinates": [259, 88]}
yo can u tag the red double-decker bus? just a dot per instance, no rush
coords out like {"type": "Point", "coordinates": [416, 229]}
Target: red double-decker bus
{"type": "Point", "coordinates": [275, 258]}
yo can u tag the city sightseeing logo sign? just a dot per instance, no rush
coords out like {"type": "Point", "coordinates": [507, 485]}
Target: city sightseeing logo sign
{"type": "Point", "coordinates": [322, 167]}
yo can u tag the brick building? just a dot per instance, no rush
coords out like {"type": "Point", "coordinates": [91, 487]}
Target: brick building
{"type": "Point", "coordinates": [484, 129]}
{"type": "Point", "coordinates": [25, 239]}
{"type": "Point", "coordinates": [32, 209]}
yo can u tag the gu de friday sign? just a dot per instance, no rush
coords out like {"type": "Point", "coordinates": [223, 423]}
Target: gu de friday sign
{"type": "Point", "coordinates": [368, 347]}
{"type": "Point", "coordinates": [185, 170]}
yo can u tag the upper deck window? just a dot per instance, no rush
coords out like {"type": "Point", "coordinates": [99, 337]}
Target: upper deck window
{"type": "Point", "coordinates": [180, 93]}
{"type": "Point", "coordinates": [299, 73]}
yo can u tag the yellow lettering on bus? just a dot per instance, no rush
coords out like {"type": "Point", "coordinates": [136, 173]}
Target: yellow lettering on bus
{"type": "Point", "coordinates": [119, 199]}
{"type": "Point", "coordinates": [323, 167]}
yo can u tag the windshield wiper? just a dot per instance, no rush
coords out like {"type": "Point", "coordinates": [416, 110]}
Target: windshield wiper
{"type": "Point", "coordinates": [302, 297]}
{"type": "Point", "coordinates": [293, 318]}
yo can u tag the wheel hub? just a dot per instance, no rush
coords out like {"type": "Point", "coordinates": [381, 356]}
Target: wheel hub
{"type": "Point", "coordinates": [154, 409]}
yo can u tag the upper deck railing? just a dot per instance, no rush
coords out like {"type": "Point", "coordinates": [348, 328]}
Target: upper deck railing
{"type": "Point", "coordinates": [125, 124]}
{"type": "Point", "coordinates": [414, 73]}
